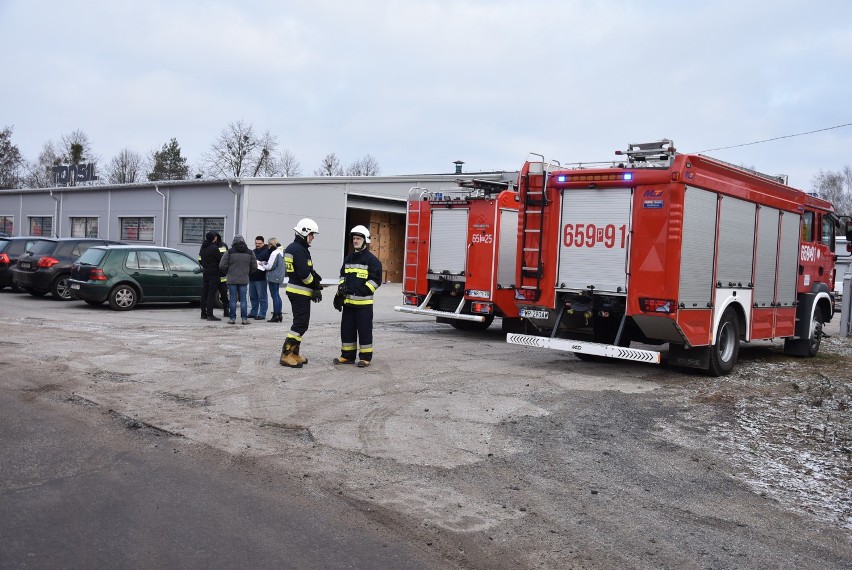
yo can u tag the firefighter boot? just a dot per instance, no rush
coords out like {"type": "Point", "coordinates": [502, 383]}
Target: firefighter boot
{"type": "Point", "coordinates": [288, 358]}
{"type": "Point", "coordinates": [301, 358]}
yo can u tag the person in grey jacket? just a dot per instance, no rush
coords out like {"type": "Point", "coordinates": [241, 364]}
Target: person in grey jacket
{"type": "Point", "coordinates": [274, 268]}
{"type": "Point", "coordinates": [236, 264]}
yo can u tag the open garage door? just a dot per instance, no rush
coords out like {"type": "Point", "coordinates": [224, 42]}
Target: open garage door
{"type": "Point", "coordinates": [386, 221]}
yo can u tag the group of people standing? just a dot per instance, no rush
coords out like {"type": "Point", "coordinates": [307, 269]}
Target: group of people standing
{"type": "Point", "coordinates": [242, 271]}
{"type": "Point", "coordinates": [264, 268]}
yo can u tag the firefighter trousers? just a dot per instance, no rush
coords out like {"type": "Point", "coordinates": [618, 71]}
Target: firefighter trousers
{"type": "Point", "coordinates": [300, 305]}
{"type": "Point", "coordinates": [356, 332]}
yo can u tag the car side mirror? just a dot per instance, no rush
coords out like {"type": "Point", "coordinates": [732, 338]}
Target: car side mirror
{"type": "Point", "coordinates": [197, 270]}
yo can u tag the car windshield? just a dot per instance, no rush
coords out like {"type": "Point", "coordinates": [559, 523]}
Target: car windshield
{"type": "Point", "coordinates": [92, 256]}
{"type": "Point", "coordinates": [43, 247]}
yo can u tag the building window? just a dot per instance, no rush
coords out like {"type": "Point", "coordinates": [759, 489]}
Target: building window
{"type": "Point", "coordinates": [193, 230]}
{"type": "Point", "coordinates": [7, 224]}
{"type": "Point", "coordinates": [84, 227]}
{"type": "Point", "coordinates": [41, 226]}
{"type": "Point", "coordinates": [137, 229]}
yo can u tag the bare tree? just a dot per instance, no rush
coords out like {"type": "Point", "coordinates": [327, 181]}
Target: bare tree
{"type": "Point", "coordinates": [125, 168]}
{"type": "Point", "coordinates": [288, 165]}
{"type": "Point", "coordinates": [75, 148]}
{"type": "Point", "coordinates": [366, 166]}
{"type": "Point", "coordinates": [238, 151]}
{"type": "Point", "coordinates": [40, 171]}
{"type": "Point", "coordinates": [330, 166]}
{"type": "Point", "coordinates": [264, 159]}
{"type": "Point", "coordinates": [836, 187]}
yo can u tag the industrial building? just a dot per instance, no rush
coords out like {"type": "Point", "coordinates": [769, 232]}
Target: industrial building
{"type": "Point", "coordinates": [178, 213]}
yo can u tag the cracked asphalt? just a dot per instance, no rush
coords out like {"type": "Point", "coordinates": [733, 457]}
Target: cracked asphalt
{"type": "Point", "coordinates": [488, 454]}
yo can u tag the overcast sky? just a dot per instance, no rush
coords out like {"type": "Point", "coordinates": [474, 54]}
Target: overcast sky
{"type": "Point", "coordinates": [420, 84]}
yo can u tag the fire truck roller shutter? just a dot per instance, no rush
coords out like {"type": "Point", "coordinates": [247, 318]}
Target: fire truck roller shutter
{"type": "Point", "coordinates": [736, 242]}
{"type": "Point", "coordinates": [767, 256]}
{"type": "Point", "coordinates": [507, 254]}
{"type": "Point", "coordinates": [697, 248]}
{"type": "Point", "coordinates": [788, 262]}
{"type": "Point", "coordinates": [448, 240]}
{"type": "Point", "coordinates": [593, 243]}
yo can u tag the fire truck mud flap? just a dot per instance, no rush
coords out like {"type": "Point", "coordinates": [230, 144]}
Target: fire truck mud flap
{"type": "Point", "coordinates": [593, 348]}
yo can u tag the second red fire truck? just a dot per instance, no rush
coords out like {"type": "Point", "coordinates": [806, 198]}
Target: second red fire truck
{"type": "Point", "coordinates": [671, 248]}
{"type": "Point", "coordinates": [460, 254]}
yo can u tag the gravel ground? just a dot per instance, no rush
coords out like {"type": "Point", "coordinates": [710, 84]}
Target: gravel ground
{"type": "Point", "coordinates": [493, 455]}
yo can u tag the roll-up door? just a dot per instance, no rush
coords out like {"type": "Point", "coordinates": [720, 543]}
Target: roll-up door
{"type": "Point", "coordinates": [697, 248]}
{"type": "Point", "coordinates": [593, 240]}
{"type": "Point", "coordinates": [767, 256]}
{"type": "Point", "coordinates": [508, 248]}
{"type": "Point", "coordinates": [736, 242]}
{"type": "Point", "coordinates": [788, 261]}
{"type": "Point", "coordinates": [448, 241]}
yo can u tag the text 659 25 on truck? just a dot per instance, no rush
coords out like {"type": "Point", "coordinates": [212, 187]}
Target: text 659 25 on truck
{"type": "Point", "coordinates": [671, 248]}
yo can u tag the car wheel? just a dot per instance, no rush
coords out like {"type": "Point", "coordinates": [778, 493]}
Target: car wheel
{"type": "Point", "coordinates": [60, 288]}
{"type": "Point", "coordinates": [15, 289]}
{"type": "Point", "coordinates": [35, 292]}
{"type": "Point", "coordinates": [94, 303]}
{"type": "Point", "coordinates": [123, 298]}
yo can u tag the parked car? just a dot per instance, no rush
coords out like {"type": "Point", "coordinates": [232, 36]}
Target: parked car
{"type": "Point", "coordinates": [46, 265]}
{"type": "Point", "coordinates": [11, 249]}
{"type": "Point", "coordinates": [125, 275]}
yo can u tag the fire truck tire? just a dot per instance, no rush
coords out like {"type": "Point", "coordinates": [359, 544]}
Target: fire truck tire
{"type": "Point", "coordinates": [808, 347]}
{"type": "Point", "coordinates": [473, 325]}
{"type": "Point", "coordinates": [723, 354]}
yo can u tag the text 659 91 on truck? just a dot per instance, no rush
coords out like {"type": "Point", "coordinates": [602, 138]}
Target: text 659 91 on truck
{"type": "Point", "coordinates": [671, 248]}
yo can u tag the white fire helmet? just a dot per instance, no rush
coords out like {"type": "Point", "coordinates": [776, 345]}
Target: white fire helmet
{"type": "Point", "coordinates": [361, 231]}
{"type": "Point", "coordinates": [306, 226]}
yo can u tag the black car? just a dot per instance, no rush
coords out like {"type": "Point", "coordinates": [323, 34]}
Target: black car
{"type": "Point", "coordinates": [11, 249]}
{"type": "Point", "coordinates": [46, 266]}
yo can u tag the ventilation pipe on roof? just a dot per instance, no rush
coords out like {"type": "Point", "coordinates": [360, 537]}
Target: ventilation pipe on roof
{"type": "Point", "coordinates": [458, 164]}
{"type": "Point", "coordinates": [165, 221]}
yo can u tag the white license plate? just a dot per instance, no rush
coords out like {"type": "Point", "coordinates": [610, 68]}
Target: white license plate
{"type": "Point", "coordinates": [25, 265]}
{"type": "Point", "coordinates": [75, 285]}
{"type": "Point", "coordinates": [534, 314]}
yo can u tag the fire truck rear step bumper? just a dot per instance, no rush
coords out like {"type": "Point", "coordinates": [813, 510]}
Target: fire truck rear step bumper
{"type": "Point", "coordinates": [445, 314]}
{"type": "Point", "coordinates": [607, 350]}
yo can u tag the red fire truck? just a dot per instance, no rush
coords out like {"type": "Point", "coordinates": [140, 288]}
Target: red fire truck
{"type": "Point", "coordinates": [460, 254]}
{"type": "Point", "coordinates": [671, 248]}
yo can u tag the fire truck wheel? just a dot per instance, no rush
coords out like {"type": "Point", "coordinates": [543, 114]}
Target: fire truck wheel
{"type": "Point", "coordinates": [816, 333]}
{"type": "Point", "coordinates": [473, 325]}
{"type": "Point", "coordinates": [723, 354]}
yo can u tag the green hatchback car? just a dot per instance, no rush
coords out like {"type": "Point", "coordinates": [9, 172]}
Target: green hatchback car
{"type": "Point", "coordinates": [125, 275]}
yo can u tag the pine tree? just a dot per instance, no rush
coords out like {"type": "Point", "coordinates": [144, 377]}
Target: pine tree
{"type": "Point", "coordinates": [168, 164]}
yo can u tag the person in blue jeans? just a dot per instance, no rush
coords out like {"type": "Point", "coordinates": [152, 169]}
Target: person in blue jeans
{"type": "Point", "coordinates": [274, 269]}
{"type": "Point", "coordinates": [257, 281]}
{"type": "Point", "coordinates": [236, 264]}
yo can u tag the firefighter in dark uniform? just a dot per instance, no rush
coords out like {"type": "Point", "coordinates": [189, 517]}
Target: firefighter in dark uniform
{"type": "Point", "coordinates": [209, 256]}
{"type": "Point", "coordinates": [360, 276]}
{"type": "Point", "coordinates": [303, 286]}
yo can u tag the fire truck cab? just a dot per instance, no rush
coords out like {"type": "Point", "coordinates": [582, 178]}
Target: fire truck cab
{"type": "Point", "coordinates": [460, 254]}
{"type": "Point", "coordinates": [671, 248]}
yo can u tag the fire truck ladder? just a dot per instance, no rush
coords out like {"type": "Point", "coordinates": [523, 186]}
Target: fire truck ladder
{"type": "Point", "coordinates": [533, 224]}
{"type": "Point", "coordinates": [412, 235]}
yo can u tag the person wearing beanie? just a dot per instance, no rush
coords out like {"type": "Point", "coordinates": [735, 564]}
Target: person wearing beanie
{"type": "Point", "coordinates": [236, 264]}
{"type": "Point", "coordinates": [209, 257]}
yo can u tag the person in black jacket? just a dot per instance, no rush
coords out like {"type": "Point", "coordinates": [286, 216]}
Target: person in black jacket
{"type": "Point", "coordinates": [257, 281]}
{"type": "Point", "coordinates": [303, 286]}
{"type": "Point", "coordinates": [360, 276]}
{"type": "Point", "coordinates": [209, 256]}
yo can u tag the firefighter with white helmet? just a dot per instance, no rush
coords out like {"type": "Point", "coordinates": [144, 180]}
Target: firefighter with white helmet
{"type": "Point", "coordinates": [360, 276]}
{"type": "Point", "coordinates": [303, 286]}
